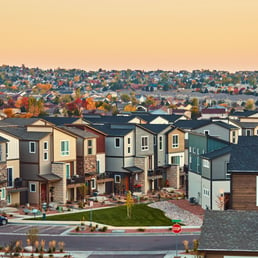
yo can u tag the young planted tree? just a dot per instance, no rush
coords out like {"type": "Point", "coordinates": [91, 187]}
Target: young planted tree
{"type": "Point", "coordinates": [129, 204]}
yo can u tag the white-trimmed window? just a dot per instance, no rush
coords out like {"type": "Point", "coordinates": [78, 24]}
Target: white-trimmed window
{"type": "Point", "coordinates": [90, 147]}
{"type": "Point", "coordinates": [32, 188]}
{"type": "Point", "coordinates": [45, 145]}
{"type": "Point", "coordinates": [144, 143]}
{"type": "Point", "coordinates": [117, 179]}
{"type": "Point", "coordinates": [117, 142]}
{"type": "Point", "coordinates": [129, 145]}
{"type": "Point", "coordinates": [7, 149]}
{"type": "Point", "coordinates": [206, 192]}
{"type": "Point", "coordinates": [65, 148]}
{"type": "Point", "coordinates": [160, 142]}
{"type": "Point", "coordinates": [175, 141]}
{"type": "Point", "coordinates": [129, 140]}
{"type": "Point", "coordinates": [32, 147]}
{"type": "Point", "coordinates": [10, 182]}
{"type": "Point", "coordinates": [206, 163]}
{"type": "Point", "coordinates": [68, 170]}
{"type": "Point", "coordinates": [206, 132]}
{"type": "Point", "coordinates": [45, 150]}
{"type": "Point", "coordinates": [3, 193]}
{"type": "Point", "coordinates": [175, 160]}
{"type": "Point", "coordinates": [190, 149]}
{"type": "Point", "coordinates": [93, 183]}
{"type": "Point", "coordinates": [248, 132]}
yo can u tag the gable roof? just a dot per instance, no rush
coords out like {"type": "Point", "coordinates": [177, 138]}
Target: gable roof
{"type": "Point", "coordinates": [217, 153]}
{"type": "Point", "coordinates": [225, 125]}
{"type": "Point", "coordinates": [109, 131]}
{"type": "Point", "coordinates": [245, 113]}
{"type": "Point", "coordinates": [61, 120]}
{"type": "Point", "coordinates": [79, 132]}
{"type": "Point", "coordinates": [155, 128]}
{"type": "Point", "coordinates": [244, 155]}
{"type": "Point", "coordinates": [19, 121]}
{"type": "Point", "coordinates": [226, 230]}
{"type": "Point", "coordinates": [192, 124]}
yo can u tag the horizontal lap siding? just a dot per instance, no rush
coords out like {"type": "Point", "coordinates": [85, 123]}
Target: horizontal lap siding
{"type": "Point", "coordinates": [244, 192]}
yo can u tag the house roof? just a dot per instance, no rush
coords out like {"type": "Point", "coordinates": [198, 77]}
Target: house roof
{"type": "Point", "coordinates": [19, 121]}
{"type": "Point", "coordinates": [134, 169]}
{"type": "Point", "coordinates": [244, 113]}
{"type": "Point", "coordinates": [108, 119]}
{"type": "Point", "coordinates": [248, 124]}
{"type": "Point", "coordinates": [226, 230]}
{"type": "Point", "coordinates": [2, 139]}
{"type": "Point", "coordinates": [61, 120]}
{"type": "Point", "coordinates": [155, 128]}
{"type": "Point", "coordinates": [244, 156]}
{"type": "Point", "coordinates": [213, 111]}
{"type": "Point", "coordinates": [79, 132]}
{"type": "Point", "coordinates": [225, 125]}
{"type": "Point", "coordinates": [50, 177]}
{"type": "Point", "coordinates": [217, 153]}
{"type": "Point", "coordinates": [107, 129]}
{"type": "Point", "coordinates": [192, 124]}
{"type": "Point", "coordinates": [21, 133]}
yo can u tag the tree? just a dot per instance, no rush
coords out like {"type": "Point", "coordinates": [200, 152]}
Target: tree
{"type": "Point", "coordinates": [129, 204]}
{"type": "Point", "coordinates": [249, 105]}
{"type": "Point", "coordinates": [125, 98]}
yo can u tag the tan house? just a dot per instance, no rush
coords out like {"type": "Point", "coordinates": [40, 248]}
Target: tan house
{"type": "Point", "coordinates": [10, 153]}
{"type": "Point", "coordinates": [47, 160]}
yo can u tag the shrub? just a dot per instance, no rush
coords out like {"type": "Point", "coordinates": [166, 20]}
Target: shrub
{"type": "Point", "coordinates": [141, 229]}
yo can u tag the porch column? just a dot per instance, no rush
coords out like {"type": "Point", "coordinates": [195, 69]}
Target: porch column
{"type": "Point", "coordinates": [75, 193]}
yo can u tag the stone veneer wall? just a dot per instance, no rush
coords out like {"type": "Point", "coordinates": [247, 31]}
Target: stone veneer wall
{"type": "Point", "coordinates": [86, 164]}
{"type": "Point", "coordinates": [140, 162]}
{"type": "Point", "coordinates": [60, 187]}
{"type": "Point", "coordinates": [173, 176]}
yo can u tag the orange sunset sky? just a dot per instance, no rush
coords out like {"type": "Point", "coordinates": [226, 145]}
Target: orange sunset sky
{"type": "Point", "coordinates": [130, 34]}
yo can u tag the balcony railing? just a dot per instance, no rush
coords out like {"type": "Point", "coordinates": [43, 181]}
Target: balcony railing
{"type": "Point", "coordinates": [154, 174]}
{"type": "Point", "coordinates": [76, 179]}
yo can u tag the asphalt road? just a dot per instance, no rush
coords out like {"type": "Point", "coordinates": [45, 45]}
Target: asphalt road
{"type": "Point", "coordinates": [107, 245]}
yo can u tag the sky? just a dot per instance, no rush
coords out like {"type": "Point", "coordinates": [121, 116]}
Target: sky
{"type": "Point", "coordinates": [169, 35]}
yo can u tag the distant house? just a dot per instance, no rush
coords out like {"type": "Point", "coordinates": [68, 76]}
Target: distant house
{"type": "Point", "coordinates": [213, 112]}
{"type": "Point", "coordinates": [229, 234]}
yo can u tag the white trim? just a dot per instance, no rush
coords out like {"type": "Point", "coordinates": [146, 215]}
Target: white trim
{"type": "Point", "coordinates": [175, 145]}
{"type": "Point", "coordinates": [117, 181]}
{"type": "Point", "coordinates": [65, 152]}
{"type": "Point", "coordinates": [45, 142]}
{"type": "Point", "coordinates": [119, 141]}
{"type": "Point", "coordinates": [146, 144]}
{"type": "Point", "coordinates": [34, 143]}
{"type": "Point", "coordinates": [33, 184]}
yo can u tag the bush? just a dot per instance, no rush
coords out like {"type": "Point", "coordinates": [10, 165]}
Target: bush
{"type": "Point", "coordinates": [141, 229]}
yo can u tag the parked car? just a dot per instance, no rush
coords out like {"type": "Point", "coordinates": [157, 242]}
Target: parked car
{"type": "Point", "coordinates": [3, 220]}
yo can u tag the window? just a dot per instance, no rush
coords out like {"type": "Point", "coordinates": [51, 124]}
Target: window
{"type": "Point", "coordinates": [197, 151]}
{"type": "Point", "coordinates": [206, 163]}
{"type": "Point", "coordinates": [175, 160]}
{"type": "Point", "coordinates": [193, 149]}
{"type": "Point", "coordinates": [32, 147]}
{"type": "Point", "coordinates": [45, 145]}
{"type": "Point", "coordinates": [129, 149]}
{"type": "Point", "coordinates": [7, 149]}
{"type": "Point", "coordinates": [117, 142]}
{"type": "Point", "coordinates": [65, 148]}
{"type": "Point", "coordinates": [233, 133]}
{"type": "Point", "coordinates": [206, 132]}
{"type": "Point", "coordinates": [161, 143]}
{"type": "Point", "coordinates": [93, 183]}
{"type": "Point", "coordinates": [90, 147]}
{"type": "Point", "coordinates": [9, 177]}
{"type": "Point", "coordinates": [248, 132]}
{"type": "Point", "coordinates": [68, 171]}
{"type": "Point", "coordinates": [98, 166]}
{"type": "Point", "coordinates": [144, 143]}
{"type": "Point", "coordinates": [190, 149]}
{"type": "Point", "coordinates": [117, 179]}
{"type": "Point", "coordinates": [175, 141]}
{"type": "Point", "coordinates": [32, 187]}
{"type": "Point", "coordinates": [45, 155]}
{"type": "Point", "coordinates": [129, 140]}
{"type": "Point", "coordinates": [2, 193]}
{"type": "Point", "coordinates": [206, 192]}
{"type": "Point", "coordinates": [155, 140]}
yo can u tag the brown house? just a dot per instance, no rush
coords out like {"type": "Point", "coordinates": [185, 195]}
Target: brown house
{"type": "Point", "coordinates": [229, 234]}
{"type": "Point", "coordinates": [243, 167]}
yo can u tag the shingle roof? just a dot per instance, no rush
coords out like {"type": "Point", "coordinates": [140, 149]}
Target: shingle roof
{"type": "Point", "coordinates": [19, 121]}
{"type": "Point", "coordinates": [61, 120]}
{"type": "Point", "coordinates": [217, 153]}
{"type": "Point", "coordinates": [248, 124]}
{"type": "Point", "coordinates": [79, 132]}
{"type": "Point", "coordinates": [2, 139]}
{"type": "Point", "coordinates": [107, 129]}
{"type": "Point", "coordinates": [155, 128]}
{"type": "Point", "coordinates": [23, 134]}
{"type": "Point", "coordinates": [192, 124]}
{"type": "Point", "coordinates": [225, 125]}
{"type": "Point", "coordinates": [244, 156]}
{"type": "Point", "coordinates": [229, 231]}
{"type": "Point", "coordinates": [245, 113]}
{"type": "Point", "coordinates": [108, 119]}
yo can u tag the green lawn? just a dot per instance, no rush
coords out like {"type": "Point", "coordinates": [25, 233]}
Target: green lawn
{"type": "Point", "coordinates": [142, 215]}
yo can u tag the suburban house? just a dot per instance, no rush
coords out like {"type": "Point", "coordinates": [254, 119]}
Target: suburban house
{"type": "Point", "coordinates": [47, 160]}
{"type": "Point", "coordinates": [229, 234]}
{"type": "Point", "coordinates": [6, 179]}
{"type": "Point", "coordinates": [243, 167]}
{"type": "Point", "coordinates": [86, 170]}
{"type": "Point", "coordinates": [10, 159]}
{"type": "Point", "coordinates": [201, 188]}
{"type": "Point", "coordinates": [213, 112]}
{"type": "Point", "coordinates": [219, 129]}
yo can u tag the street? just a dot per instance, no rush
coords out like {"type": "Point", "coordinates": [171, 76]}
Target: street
{"type": "Point", "coordinates": [94, 245]}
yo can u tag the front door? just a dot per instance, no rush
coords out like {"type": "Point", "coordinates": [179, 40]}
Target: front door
{"type": "Point", "coordinates": [43, 193]}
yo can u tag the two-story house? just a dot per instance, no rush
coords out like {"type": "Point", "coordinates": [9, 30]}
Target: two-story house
{"type": "Point", "coordinates": [199, 146]}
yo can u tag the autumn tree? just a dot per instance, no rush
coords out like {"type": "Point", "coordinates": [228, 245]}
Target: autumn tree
{"type": "Point", "coordinates": [125, 98]}
{"type": "Point", "coordinates": [250, 104]}
{"type": "Point", "coordinates": [129, 108]}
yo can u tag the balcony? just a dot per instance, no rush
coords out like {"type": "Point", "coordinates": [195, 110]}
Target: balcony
{"type": "Point", "coordinates": [103, 178]}
{"type": "Point", "coordinates": [152, 175]}
{"type": "Point", "coordinates": [75, 179]}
